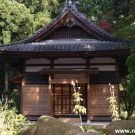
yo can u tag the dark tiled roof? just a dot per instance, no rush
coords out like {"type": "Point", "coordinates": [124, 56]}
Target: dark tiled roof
{"type": "Point", "coordinates": [74, 45]}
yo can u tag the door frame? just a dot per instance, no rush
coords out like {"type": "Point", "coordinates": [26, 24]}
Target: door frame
{"type": "Point", "coordinates": [68, 81]}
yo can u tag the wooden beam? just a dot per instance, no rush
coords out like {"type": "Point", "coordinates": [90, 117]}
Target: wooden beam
{"type": "Point", "coordinates": [69, 71]}
{"type": "Point", "coordinates": [88, 90]}
{"type": "Point", "coordinates": [67, 81]}
{"type": "Point", "coordinates": [51, 97]}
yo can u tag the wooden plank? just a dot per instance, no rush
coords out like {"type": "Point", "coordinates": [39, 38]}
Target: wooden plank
{"type": "Point", "coordinates": [98, 93]}
{"type": "Point", "coordinates": [34, 97]}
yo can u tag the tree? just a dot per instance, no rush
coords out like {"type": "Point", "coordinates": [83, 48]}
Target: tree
{"type": "Point", "coordinates": [105, 25]}
{"type": "Point", "coordinates": [120, 8]}
{"type": "Point", "coordinates": [125, 27]}
{"type": "Point", "coordinates": [15, 22]}
{"type": "Point", "coordinates": [126, 98]}
{"type": "Point", "coordinates": [101, 11]}
{"type": "Point", "coordinates": [42, 11]}
{"type": "Point", "coordinates": [129, 85]}
{"type": "Point", "coordinates": [131, 69]}
{"type": "Point", "coordinates": [94, 9]}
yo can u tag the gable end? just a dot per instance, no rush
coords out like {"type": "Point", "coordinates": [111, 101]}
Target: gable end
{"type": "Point", "coordinates": [74, 32]}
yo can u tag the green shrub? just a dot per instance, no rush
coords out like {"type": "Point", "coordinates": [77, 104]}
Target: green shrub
{"type": "Point", "coordinates": [13, 98]}
{"type": "Point", "coordinates": [99, 129]}
{"type": "Point", "coordinates": [113, 107]}
{"type": "Point", "coordinates": [10, 120]}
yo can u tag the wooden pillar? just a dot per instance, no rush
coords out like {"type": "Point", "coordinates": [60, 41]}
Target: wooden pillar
{"type": "Point", "coordinates": [88, 87]}
{"type": "Point", "coordinates": [22, 92]}
{"type": "Point", "coordinates": [6, 82]}
{"type": "Point", "coordinates": [88, 90]}
{"type": "Point", "coordinates": [51, 97]}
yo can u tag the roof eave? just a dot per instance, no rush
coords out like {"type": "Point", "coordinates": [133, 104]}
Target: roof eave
{"type": "Point", "coordinates": [64, 54]}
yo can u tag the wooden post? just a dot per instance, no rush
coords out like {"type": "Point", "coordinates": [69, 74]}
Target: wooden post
{"type": "Point", "coordinates": [6, 82]}
{"type": "Point", "coordinates": [88, 88]}
{"type": "Point", "coordinates": [51, 97]}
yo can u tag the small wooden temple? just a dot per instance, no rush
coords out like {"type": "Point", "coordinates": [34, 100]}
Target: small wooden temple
{"type": "Point", "coordinates": [71, 47]}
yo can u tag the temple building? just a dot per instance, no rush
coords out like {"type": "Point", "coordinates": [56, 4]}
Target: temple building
{"type": "Point", "coordinates": [70, 47]}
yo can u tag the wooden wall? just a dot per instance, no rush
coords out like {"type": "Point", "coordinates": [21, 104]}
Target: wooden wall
{"type": "Point", "coordinates": [35, 100]}
{"type": "Point", "coordinates": [97, 103]}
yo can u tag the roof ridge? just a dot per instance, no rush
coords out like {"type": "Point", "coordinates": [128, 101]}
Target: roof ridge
{"type": "Point", "coordinates": [84, 18]}
{"type": "Point", "coordinates": [68, 4]}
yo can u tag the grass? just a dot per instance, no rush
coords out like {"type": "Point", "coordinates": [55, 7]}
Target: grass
{"type": "Point", "coordinates": [97, 128]}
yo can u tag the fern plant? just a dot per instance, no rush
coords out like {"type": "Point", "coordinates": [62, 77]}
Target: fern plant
{"type": "Point", "coordinates": [78, 109]}
{"type": "Point", "coordinates": [113, 108]}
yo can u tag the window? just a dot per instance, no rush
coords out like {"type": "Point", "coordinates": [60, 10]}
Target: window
{"type": "Point", "coordinates": [63, 102]}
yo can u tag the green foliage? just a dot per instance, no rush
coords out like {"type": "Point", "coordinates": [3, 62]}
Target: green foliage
{"type": "Point", "coordinates": [98, 8]}
{"type": "Point", "coordinates": [118, 14]}
{"type": "Point", "coordinates": [128, 93]}
{"type": "Point", "coordinates": [126, 100]}
{"type": "Point", "coordinates": [40, 20]}
{"type": "Point", "coordinates": [100, 130]}
{"type": "Point", "coordinates": [41, 11]}
{"type": "Point", "coordinates": [126, 28]}
{"type": "Point", "coordinates": [11, 73]}
{"type": "Point", "coordinates": [113, 108]}
{"type": "Point", "coordinates": [95, 9]}
{"type": "Point", "coordinates": [20, 19]}
{"type": "Point", "coordinates": [10, 120]}
{"type": "Point", "coordinates": [14, 99]}
{"type": "Point", "coordinates": [15, 22]}
{"type": "Point", "coordinates": [78, 109]}
{"type": "Point", "coordinates": [77, 97]}
{"type": "Point", "coordinates": [131, 76]}
{"type": "Point", "coordinates": [38, 5]}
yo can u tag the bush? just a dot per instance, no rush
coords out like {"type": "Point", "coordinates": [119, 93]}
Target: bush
{"type": "Point", "coordinates": [10, 120]}
{"type": "Point", "coordinates": [99, 129]}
